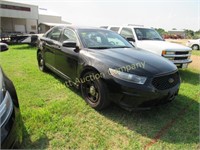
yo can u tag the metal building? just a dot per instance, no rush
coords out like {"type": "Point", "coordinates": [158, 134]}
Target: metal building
{"type": "Point", "coordinates": [17, 17]}
{"type": "Point", "coordinates": [24, 18]}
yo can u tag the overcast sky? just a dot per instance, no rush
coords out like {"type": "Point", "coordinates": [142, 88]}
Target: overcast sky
{"type": "Point", "coordinates": [179, 14]}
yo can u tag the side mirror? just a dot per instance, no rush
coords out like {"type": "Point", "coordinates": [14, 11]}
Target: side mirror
{"type": "Point", "coordinates": [71, 44]}
{"type": "Point", "coordinates": [130, 39]}
{"type": "Point", "coordinates": [3, 47]}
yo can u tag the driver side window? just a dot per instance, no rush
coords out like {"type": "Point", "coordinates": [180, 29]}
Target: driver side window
{"type": "Point", "coordinates": [68, 35]}
{"type": "Point", "coordinates": [54, 34]}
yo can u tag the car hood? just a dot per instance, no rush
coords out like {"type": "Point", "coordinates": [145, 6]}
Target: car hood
{"type": "Point", "coordinates": [195, 41]}
{"type": "Point", "coordinates": [159, 46]}
{"type": "Point", "coordinates": [132, 60]}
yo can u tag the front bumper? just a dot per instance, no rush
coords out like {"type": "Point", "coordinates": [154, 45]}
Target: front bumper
{"type": "Point", "coordinates": [181, 59]}
{"type": "Point", "coordinates": [131, 95]}
{"type": "Point", "coordinates": [182, 63]}
{"type": "Point", "coordinates": [11, 132]}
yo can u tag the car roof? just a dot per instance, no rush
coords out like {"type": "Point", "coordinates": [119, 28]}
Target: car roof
{"type": "Point", "coordinates": [129, 26]}
{"type": "Point", "coordinates": [75, 27]}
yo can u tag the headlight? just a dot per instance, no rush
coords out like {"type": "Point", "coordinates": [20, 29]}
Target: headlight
{"type": "Point", "coordinates": [6, 107]}
{"type": "Point", "coordinates": [164, 52]}
{"type": "Point", "coordinates": [127, 76]}
{"type": "Point", "coordinates": [170, 53]}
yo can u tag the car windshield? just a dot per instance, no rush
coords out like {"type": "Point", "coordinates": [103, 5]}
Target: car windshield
{"type": "Point", "coordinates": [147, 34]}
{"type": "Point", "coordinates": [102, 39]}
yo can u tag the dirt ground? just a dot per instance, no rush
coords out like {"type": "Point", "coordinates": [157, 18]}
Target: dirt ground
{"type": "Point", "coordinates": [195, 62]}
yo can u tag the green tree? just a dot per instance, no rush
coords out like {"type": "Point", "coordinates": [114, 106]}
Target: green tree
{"type": "Point", "coordinates": [189, 33]}
{"type": "Point", "coordinates": [197, 34]}
{"type": "Point", "coordinates": [161, 31]}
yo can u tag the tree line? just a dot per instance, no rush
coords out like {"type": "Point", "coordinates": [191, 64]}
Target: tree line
{"type": "Point", "coordinates": [189, 34]}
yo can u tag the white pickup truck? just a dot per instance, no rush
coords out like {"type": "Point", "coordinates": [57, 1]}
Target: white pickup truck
{"type": "Point", "coordinates": [149, 39]}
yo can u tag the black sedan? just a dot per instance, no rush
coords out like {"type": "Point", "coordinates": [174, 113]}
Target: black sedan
{"type": "Point", "coordinates": [10, 118]}
{"type": "Point", "coordinates": [107, 68]}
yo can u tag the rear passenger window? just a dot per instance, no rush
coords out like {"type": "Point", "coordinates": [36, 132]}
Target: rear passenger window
{"type": "Point", "coordinates": [115, 29]}
{"type": "Point", "coordinates": [127, 33]}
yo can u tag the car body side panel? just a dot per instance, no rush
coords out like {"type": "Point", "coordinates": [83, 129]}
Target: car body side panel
{"type": "Point", "coordinates": [11, 130]}
{"type": "Point", "coordinates": [48, 50]}
{"type": "Point", "coordinates": [66, 61]}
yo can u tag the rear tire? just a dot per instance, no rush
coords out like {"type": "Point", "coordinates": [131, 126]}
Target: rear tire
{"type": "Point", "coordinates": [41, 62]}
{"type": "Point", "coordinates": [94, 91]}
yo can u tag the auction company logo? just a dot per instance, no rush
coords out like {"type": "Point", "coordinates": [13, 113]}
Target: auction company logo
{"type": "Point", "coordinates": [97, 76]}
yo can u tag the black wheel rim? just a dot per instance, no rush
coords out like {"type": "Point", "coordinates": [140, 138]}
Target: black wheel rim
{"type": "Point", "coordinates": [91, 91]}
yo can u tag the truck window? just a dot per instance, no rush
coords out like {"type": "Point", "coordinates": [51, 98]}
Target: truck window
{"type": "Point", "coordinates": [104, 27]}
{"type": "Point", "coordinates": [147, 34]}
{"type": "Point", "coordinates": [127, 33]}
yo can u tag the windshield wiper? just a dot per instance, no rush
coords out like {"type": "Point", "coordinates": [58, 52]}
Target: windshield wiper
{"type": "Point", "coordinates": [144, 38]}
{"type": "Point", "coordinates": [122, 47]}
{"type": "Point", "coordinates": [102, 47]}
{"type": "Point", "coordinates": [158, 39]}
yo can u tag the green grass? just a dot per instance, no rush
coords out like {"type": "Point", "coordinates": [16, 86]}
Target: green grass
{"type": "Point", "coordinates": [196, 52]}
{"type": "Point", "coordinates": [57, 117]}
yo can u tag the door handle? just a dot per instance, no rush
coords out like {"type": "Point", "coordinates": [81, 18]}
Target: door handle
{"type": "Point", "coordinates": [57, 46]}
{"type": "Point", "coordinates": [49, 42]}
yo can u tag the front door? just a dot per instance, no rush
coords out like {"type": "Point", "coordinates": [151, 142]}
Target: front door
{"type": "Point", "coordinates": [66, 58]}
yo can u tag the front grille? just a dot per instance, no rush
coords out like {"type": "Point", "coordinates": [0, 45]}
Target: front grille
{"type": "Point", "coordinates": [166, 82]}
{"type": "Point", "coordinates": [180, 58]}
{"type": "Point", "coordinates": [182, 53]}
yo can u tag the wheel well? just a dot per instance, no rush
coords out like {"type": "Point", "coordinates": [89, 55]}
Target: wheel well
{"type": "Point", "coordinates": [38, 51]}
{"type": "Point", "coordinates": [88, 69]}
{"type": "Point", "coordinates": [195, 45]}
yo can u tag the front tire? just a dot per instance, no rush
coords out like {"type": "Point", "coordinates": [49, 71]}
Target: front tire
{"type": "Point", "coordinates": [195, 47]}
{"type": "Point", "coordinates": [41, 62]}
{"type": "Point", "coordinates": [94, 91]}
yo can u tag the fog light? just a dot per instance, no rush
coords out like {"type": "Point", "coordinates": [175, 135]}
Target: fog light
{"type": "Point", "coordinates": [170, 58]}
